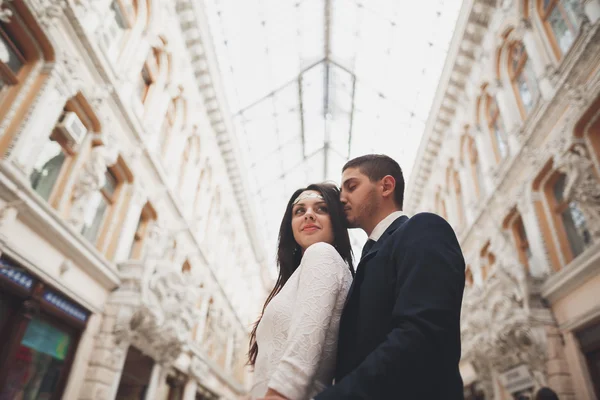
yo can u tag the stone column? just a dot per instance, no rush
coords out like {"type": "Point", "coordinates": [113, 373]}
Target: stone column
{"type": "Point", "coordinates": [189, 391]}
{"type": "Point", "coordinates": [539, 63]}
{"type": "Point", "coordinates": [106, 362]}
{"type": "Point", "coordinates": [592, 10]}
{"type": "Point", "coordinates": [540, 263]}
{"type": "Point", "coordinates": [155, 378]}
{"type": "Point", "coordinates": [510, 116]}
{"type": "Point", "coordinates": [487, 159]}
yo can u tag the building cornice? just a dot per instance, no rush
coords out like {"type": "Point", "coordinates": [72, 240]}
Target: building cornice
{"type": "Point", "coordinates": [471, 25]}
{"type": "Point", "coordinates": [36, 212]}
{"type": "Point", "coordinates": [194, 25]}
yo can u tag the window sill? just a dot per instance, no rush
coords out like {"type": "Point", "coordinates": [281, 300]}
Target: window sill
{"type": "Point", "coordinates": [573, 275]}
{"type": "Point", "coordinates": [38, 214]}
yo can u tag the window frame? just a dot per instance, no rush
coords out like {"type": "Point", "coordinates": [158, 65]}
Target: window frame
{"type": "Point", "coordinates": [492, 120]}
{"type": "Point", "coordinates": [147, 214]}
{"type": "Point", "coordinates": [514, 76]}
{"type": "Point", "coordinates": [545, 14]}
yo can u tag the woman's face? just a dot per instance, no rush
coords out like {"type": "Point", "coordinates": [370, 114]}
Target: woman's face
{"type": "Point", "coordinates": [311, 222]}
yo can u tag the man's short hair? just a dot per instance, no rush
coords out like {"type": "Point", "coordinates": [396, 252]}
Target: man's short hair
{"type": "Point", "coordinates": [376, 166]}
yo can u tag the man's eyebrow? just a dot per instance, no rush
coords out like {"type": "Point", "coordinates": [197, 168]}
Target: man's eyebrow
{"type": "Point", "coordinates": [347, 181]}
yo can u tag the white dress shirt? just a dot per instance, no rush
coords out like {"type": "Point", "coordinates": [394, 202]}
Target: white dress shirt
{"type": "Point", "coordinates": [384, 224]}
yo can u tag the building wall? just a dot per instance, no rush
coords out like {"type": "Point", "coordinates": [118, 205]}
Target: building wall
{"type": "Point", "coordinates": [154, 134]}
{"type": "Point", "coordinates": [515, 117]}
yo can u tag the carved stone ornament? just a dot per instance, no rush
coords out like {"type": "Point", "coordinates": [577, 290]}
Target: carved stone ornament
{"type": "Point", "coordinates": [50, 10]}
{"type": "Point", "coordinates": [582, 185]}
{"type": "Point", "coordinates": [497, 327]}
{"type": "Point", "coordinates": [5, 12]}
{"type": "Point", "coordinates": [90, 180]}
{"type": "Point", "coordinates": [199, 369]}
{"type": "Point", "coordinates": [66, 72]}
{"type": "Point", "coordinates": [164, 321]}
{"type": "Point", "coordinates": [9, 212]}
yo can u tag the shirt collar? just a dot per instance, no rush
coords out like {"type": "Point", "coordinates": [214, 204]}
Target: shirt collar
{"type": "Point", "coordinates": [384, 224]}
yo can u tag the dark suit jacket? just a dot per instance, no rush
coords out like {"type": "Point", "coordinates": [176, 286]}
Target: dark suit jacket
{"type": "Point", "coordinates": [400, 329]}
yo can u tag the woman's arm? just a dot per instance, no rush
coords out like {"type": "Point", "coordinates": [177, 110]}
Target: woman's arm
{"type": "Point", "coordinates": [321, 279]}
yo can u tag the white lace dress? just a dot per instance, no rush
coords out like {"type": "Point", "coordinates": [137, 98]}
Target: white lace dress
{"type": "Point", "coordinates": [297, 336]}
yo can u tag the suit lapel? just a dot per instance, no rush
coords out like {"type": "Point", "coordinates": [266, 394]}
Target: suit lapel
{"type": "Point", "coordinates": [372, 253]}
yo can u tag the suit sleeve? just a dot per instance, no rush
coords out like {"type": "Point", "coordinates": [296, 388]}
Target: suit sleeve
{"type": "Point", "coordinates": [320, 283]}
{"type": "Point", "coordinates": [425, 319]}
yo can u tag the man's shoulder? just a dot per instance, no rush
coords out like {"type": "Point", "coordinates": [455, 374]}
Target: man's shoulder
{"type": "Point", "coordinates": [424, 223]}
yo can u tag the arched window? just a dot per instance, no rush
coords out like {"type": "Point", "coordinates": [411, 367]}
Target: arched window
{"type": "Point", "coordinates": [53, 164]}
{"type": "Point", "coordinates": [453, 182]}
{"type": "Point", "coordinates": [120, 19]}
{"type": "Point", "coordinates": [148, 75]}
{"type": "Point", "coordinates": [21, 47]}
{"type": "Point", "coordinates": [569, 217]}
{"type": "Point", "coordinates": [522, 77]}
{"type": "Point", "coordinates": [496, 128]}
{"type": "Point", "coordinates": [470, 157]}
{"type": "Point", "coordinates": [440, 205]}
{"type": "Point", "coordinates": [561, 22]}
{"type": "Point", "coordinates": [189, 162]}
{"type": "Point", "coordinates": [488, 259]}
{"type": "Point", "coordinates": [514, 223]}
{"type": "Point", "coordinates": [468, 277]}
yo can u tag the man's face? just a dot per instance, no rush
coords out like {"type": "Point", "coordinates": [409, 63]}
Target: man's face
{"type": "Point", "coordinates": [360, 198]}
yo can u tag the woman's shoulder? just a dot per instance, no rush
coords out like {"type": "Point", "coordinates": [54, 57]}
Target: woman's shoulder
{"type": "Point", "coordinates": [322, 254]}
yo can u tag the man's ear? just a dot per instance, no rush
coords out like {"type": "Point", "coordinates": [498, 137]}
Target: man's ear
{"type": "Point", "coordinates": [389, 185]}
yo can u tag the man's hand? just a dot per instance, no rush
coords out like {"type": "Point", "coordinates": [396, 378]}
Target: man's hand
{"type": "Point", "coordinates": [273, 395]}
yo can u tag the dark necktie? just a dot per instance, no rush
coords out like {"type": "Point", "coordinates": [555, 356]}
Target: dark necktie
{"type": "Point", "coordinates": [367, 247]}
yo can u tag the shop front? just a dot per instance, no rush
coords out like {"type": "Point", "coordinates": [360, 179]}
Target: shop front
{"type": "Point", "coordinates": [39, 331]}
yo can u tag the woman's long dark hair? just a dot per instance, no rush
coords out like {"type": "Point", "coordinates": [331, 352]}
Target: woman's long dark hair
{"type": "Point", "coordinates": [288, 251]}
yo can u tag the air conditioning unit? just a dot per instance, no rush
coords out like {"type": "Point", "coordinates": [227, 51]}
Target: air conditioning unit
{"type": "Point", "coordinates": [71, 127]}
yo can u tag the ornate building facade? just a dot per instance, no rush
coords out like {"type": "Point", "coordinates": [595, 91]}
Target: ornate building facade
{"type": "Point", "coordinates": [128, 263]}
{"type": "Point", "coordinates": [511, 157]}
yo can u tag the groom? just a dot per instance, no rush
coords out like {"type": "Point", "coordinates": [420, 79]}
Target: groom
{"type": "Point", "coordinates": [399, 333]}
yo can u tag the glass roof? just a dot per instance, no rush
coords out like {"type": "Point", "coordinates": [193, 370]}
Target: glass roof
{"type": "Point", "coordinates": [312, 83]}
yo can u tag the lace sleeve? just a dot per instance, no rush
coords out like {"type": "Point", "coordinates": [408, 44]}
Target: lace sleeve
{"type": "Point", "coordinates": [320, 282]}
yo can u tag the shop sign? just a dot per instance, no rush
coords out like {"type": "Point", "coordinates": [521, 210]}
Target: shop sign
{"type": "Point", "coordinates": [517, 379]}
{"type": "Point", "coordinates": [67, 306]}
{"type": "Point", "coordinates": [46, 339]}
{"type": "Point", "coordinates": [15, 274]}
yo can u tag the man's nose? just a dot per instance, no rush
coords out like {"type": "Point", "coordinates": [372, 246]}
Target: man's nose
{"type": "Point", "coordinates": [343, 198]}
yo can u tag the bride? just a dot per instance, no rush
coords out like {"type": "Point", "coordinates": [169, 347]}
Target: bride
{"type": "Point", "coordinates": [293, 344]}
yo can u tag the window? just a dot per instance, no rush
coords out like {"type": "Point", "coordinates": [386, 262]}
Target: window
{"type": "Point", "coordinates": [145, 80]}
{"type": "Point", "coordinates": [47, 168]}
{"type": "Point", "coordinates": [468, 276]}
{"type": "Point", "coordinates": [167, 127]}
{"type": "Point", "coordinates": [187, 267]}
{"type": "Point", "coordinates": [488, 259]}
{"type": "Point", "coordinates": [12, 59]}
{"type": "Point", "coordinates": [522, 78]}
{"type": "Point", "coordinates": [570, 217]}
{"type": "Point", "coordinates": [98, 207]}
{"type": "Point", "coordinates": [496, 128]}
{"type": "Point", "coordinates": [561, 22]}
{"type": "Point", "coordinates": [148, 214]}
{"type": "Point", "coordinates": [520, 239]}
{"type": "Point", "coordinates": [440, 205]}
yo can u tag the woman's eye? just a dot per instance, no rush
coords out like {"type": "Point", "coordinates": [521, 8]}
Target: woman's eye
{"type": "Point", "coordinates": [298, 211]}
{"type": "Point", "coordinates": [323, 209]}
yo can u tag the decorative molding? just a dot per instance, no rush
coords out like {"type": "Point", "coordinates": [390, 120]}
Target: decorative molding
{"type": "Point", "coordinates": [582, 185]}
{"type": "Point", "coordinates": [5, 13]}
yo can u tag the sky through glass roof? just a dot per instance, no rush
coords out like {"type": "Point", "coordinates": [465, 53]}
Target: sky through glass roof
{"type": "Point", "coordinates": [311, 83]}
